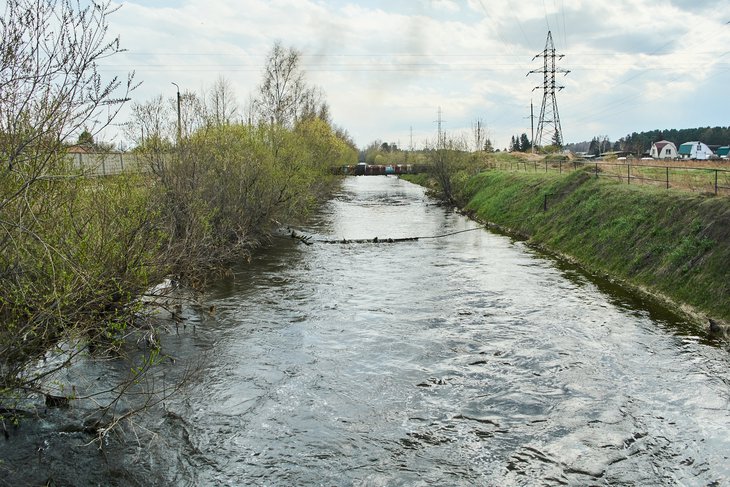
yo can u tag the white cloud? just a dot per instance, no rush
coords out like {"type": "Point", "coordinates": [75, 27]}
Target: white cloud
{"type": "Point", "coordinates": [445, 5]}
{"type": "Point", "coordinates": [388, 66]}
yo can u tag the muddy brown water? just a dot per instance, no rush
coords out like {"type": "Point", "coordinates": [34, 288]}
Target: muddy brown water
{"type": "Point", "coordinates": [464, 360]}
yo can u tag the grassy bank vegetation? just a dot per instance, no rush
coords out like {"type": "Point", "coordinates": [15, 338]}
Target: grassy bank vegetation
{"type": "Point", "coordinates": [672, 244]}
{"type": "Point", "coordinates": [78, 252]}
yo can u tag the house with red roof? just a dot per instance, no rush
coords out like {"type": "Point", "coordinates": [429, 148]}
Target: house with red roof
{"type": "Point", "coordinates": [663, 150]}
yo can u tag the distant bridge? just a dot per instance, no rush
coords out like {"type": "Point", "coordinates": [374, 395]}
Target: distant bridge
{"type": "Point", "coordinates": [380, 169]}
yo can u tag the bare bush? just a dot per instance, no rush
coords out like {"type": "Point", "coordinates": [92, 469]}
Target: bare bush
{"type": "Point", "coordinates": [447, 160]}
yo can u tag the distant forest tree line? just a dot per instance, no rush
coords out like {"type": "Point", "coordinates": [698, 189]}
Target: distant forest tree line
{"type": "Point", "coordinates": [640, 142]}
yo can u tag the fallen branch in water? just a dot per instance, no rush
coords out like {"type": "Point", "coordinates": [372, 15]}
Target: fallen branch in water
{"type": "Point", "coordinates": [375, 240]}
{"type": "Point", "coordinates": [308, 240]}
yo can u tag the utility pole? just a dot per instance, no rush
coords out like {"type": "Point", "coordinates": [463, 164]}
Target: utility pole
{"type": "Point", "coordinates": [548, 125]}
{"type": "Point", "coordinates": [179, 124]}
{"type": "Point", "coordinates": [532, 128]}
{"type": "Point", "coordinates": [440, 136]}
{"type": "Point", "coordinates": [478, 134]}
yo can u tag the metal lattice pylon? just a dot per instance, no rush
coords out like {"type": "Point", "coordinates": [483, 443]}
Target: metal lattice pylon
{"type": "Point", "coordinates": [548, 126]}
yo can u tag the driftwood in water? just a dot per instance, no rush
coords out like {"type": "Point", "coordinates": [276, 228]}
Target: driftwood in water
{"type": "Point", "coordinates": [375, 240]}
{"type": "Point", "coordinates": [307, 239]}
{"type": "Point", "coordinates": [57, 401]}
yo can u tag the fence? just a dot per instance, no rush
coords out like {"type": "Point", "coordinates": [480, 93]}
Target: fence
{"type": "Point", "coordinates": [708, 179]}
{"type": "Point", "coordinates": [109, 164]}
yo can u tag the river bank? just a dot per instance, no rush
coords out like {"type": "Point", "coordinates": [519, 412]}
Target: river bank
{"type": "Point", "coordinates": [470, 359]}
{"type": "Point", "coordinates": [671, 246]}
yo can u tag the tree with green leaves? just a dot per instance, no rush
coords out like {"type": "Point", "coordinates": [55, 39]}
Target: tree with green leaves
{"type": "Point", "coordinates": [86, 139]}
{"type": "Point", "coordinates": [594, 148]}
{"type": "Point", "coordinates": [525, 145]}
{"type": "Point", "coordinates": [557, 141]}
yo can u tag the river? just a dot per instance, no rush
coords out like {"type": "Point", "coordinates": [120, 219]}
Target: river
{"type": "Point", "coordinates": [469, 359]}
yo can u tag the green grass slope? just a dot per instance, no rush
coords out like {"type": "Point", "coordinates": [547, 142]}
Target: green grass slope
{"type": "Point", "coordinates": [673, 244]}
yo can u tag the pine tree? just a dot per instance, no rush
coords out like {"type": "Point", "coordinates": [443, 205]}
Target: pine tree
{"type": "Point", "coordinates": [86, 139]}
{"type": "Point", "coordinates": [525, 145]}
{"type": "Point", "coordinates": [594, 149]}
{"type": "Point", "coordinates": [557, 142]}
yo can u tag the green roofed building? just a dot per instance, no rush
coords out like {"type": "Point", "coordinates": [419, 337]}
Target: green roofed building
{"type": "Point", "coordinates": [724, 151]}
{"type": "Point", "coordinates": [694, 150]}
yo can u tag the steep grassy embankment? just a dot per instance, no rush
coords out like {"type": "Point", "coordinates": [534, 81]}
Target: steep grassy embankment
{"type": "Point", "coordinates": [672, 244]}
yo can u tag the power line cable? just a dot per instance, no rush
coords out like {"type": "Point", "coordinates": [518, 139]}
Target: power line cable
{"type": "Point", "coordinates": [547, 21]}
{"type": "Point", "coordinates": [611, 106]}
{"type": "Point", "coordinates": [565, 30]}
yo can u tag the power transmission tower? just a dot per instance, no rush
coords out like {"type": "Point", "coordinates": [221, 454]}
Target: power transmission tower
{"type": "Point", "coordinates": [548, 125]}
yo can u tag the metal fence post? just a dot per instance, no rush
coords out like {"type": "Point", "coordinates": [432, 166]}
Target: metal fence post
{"type": "Point", "coordinates": [628, 173]}
{"type": "Point", "coordinates": [667, 177]}
{"type": "Point", "coordinates": [716, 171]}
{"type": "Point", "coordinates": [596, 170]}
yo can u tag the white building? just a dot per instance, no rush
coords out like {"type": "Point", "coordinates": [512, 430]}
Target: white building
{"type": "Point", "coordinates": [694, 150]}
{"type": "Point", "coordinates": [664, 150]}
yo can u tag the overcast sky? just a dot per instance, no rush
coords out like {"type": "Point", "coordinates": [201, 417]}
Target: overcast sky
{"type": "Point", "coordinates": [386, 66]}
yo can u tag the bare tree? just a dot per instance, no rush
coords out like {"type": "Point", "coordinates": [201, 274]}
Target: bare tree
{"type": "Point", "coordinates": [283, 96]}
{"type": "Point", "coordinates": [222, 107]}
{"type": "Point", "coordinates": [447, 159]}
{"type": "Point", "coordinates": [150, 121]}
{"type": "Point", "coordinates": [313, 105]}
{"type": "Point", "coordinates": [192, 113]}
{"type": "Point", "coordinates": [50, 88]}
{"type": "Point", "coordinates": [251, 110]}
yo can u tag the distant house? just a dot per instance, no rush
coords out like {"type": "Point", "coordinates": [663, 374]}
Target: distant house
{"type": "Point", "coordinates": [663, 150]}
{"type": "Point", "coordinates": [724, 151]}
{"type": "Point", "coordinates": [79, 149]}
{"type": "Point", "coordinates": [694, 150]}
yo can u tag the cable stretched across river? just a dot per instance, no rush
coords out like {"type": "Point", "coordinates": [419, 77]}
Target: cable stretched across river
{"type": "Point", "coordinates": [308, 240]}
